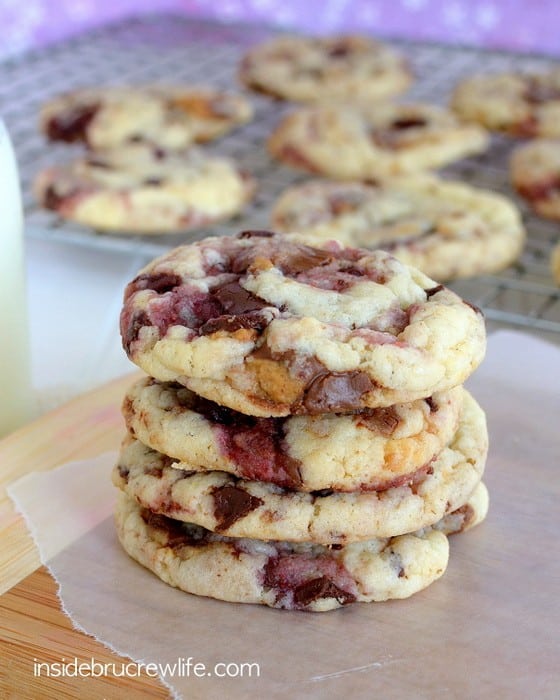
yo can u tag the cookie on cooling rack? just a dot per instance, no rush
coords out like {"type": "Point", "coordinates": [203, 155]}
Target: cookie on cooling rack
{"type": "Point", "coordinates": [535, 174]}
{"type": "Point", "coordinates": [373, 141]}
{"type": "Point", "coordinates": [284, 575]}
{"type": "Point", "coordinates": [373, 450]}
{"type": "Point", "coordinates": [170, 117]}
{"type": "Point", "coordinates": [310, 69]}
{"type": "Point", "coordinates": [239, 507]}
{"type": "Point", "coordinates": [447, 229]}
{"type": "Point", "coordinates": [140, 188]}
{"type": "Point", "coordinates": [293, 329]}
{"type": "Point", "coordinates": [512, 103]}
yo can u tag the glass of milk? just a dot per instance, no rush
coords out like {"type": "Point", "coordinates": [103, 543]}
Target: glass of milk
{"type": "Point", "coordinates": [16, 396]}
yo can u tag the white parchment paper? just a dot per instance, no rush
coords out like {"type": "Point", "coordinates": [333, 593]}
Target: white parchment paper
{"type": "Point", "coordinates": [488, 628]}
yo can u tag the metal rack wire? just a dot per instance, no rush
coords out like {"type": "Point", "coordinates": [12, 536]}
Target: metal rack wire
{"type": "Point", "coordinates": [178, 49]}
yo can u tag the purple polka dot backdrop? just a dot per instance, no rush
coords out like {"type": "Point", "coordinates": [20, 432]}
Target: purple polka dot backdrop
{"type": "Point", "coordinates": [507, 24]}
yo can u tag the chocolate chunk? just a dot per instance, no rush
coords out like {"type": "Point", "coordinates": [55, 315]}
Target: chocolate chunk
{"type": "Point", "coordinates": [232, 503]}
{"type": "Point", "coordinates": [432, 404]}
{"type": "Point", "coordinates": [236, 300]}
{"type": "Point", "coordinates": [408, 123]}
{"type": "Point", "coordinates": [71, 125]}
{"type": "Point", "coordinates": [178, 533]}
{"type": "Point", "coordinates": [434, 290]}
{"type": "Point", "coordinates": [381, 420]}
{"type": "Point", "coordinates": [51, 199]}
{"type": "Point", "coordinates": [132, 330]}
{"type": "Point", "coordinates": [304, 259]}
{"type": "Point", "coordinates": [318, 588]}
{"type": "Point", "coordinates": [255, 234]}
{"type": "Point", "coordinates": [123, 472]}
{"type": "Point", "coordinates": [153, 181]}
{"type": "Point", "coordinates": [339, 51]}
{"type": "Point", "coordinates": [160, 282]}
{"type": "Point", "coordinates": [540, 190]}
{"type": "Point", "coordinates": [255, 320]}
{"type": "Point", "coordinates": [336, 392]}
{"type": "Point", "coordinates": [96, 162]}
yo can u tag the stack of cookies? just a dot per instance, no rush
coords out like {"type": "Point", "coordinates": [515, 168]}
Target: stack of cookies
{"type": "Point", "coordinates": [302, 439]}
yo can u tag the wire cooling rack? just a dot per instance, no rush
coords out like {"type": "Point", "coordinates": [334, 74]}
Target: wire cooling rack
{"type": "Point", "coordinates": [178, 49]}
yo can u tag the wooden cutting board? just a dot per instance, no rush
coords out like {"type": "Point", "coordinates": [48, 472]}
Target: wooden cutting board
{"type": "Point", "coordinates": [32, 626]}
{"type": "Point", "coordinates": [489, 629]}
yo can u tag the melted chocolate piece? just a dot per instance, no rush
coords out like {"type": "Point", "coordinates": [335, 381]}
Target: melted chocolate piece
{"type": "Point", "coordinates": [98, 163]}
{"type": "Point", "coordinates": [230, 324]}
{"type": "Point", "coordinates": [318, 588]}
{"type": "Point", "coordinates": [475, 308]}
{"type": "Point", "coordinates": [408, 123]}
{"type": "Point", "coordinates": [232, 503]}
{"type": "Point", "coordinates": [160, 282]}
{"type": "Point", "coordinates": [52, 200]}
{"type": "Point", "coordinates": [309, 579]}
{"type": "Point", "coordinates": [382, 420]}
{"type": "Point", "coordinates": [178, 533]}
{"type": "Point", "coordinates": [131, 330]}
{"type": "Point", "coordinates": [153, 181]}
{"type": "Point", "coordinates": [255, 234]}
{"type": "Point", "coordinates": [71, 125]}
{"type": "Point", "coordinates": [236, 300]}
{"type": "Point", "coordinates": [339, 51]}
{"type": "Point", "coordinates": [434, 290]}
{"type": "Point", "coordinates": [336, 392]}
{"type": "Point", "coordinates": [123, 472]}
{"type": "Point", "coordinates": [432, 404]}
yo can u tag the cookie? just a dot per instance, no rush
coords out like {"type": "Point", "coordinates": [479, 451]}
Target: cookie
{"type": "Point", "coordinates": [164, 116]}
{"type": "Point", "coordinates": [447, 229]}
{"type": "Point", "coordinates": [294, 329]}
{"type": "Point", "coordinates": [143, 189]}
{"type": "Point", "coordinates": [241, 508]}
{"type": "Point", "coordinates": [555, 264]}
{"type": "Point", "coordinates": [309, 69]}
{"type": "Point", "coordinates": [279, 574]}
{"type": "Point", "coordinates": [535, 174]}
{"type": "Point", "coordinates": [512, 103]}
{"type": "Point", "coordinates": [376, 141]}
{"type": "Point", "coordinates": [377, 449]}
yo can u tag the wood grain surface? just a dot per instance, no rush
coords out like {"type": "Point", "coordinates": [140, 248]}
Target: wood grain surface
{"type": "Point", "coordinates": [32, 625]}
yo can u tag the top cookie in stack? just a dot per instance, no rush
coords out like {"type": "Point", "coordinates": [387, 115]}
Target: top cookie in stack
{"type": "Point", "coordinates": [303, 440]}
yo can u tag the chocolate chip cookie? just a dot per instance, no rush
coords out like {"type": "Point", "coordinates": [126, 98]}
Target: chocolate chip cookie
{"type": "Point", "coordinates": [309, 69]}
{"type": "Point", "coordinates": [379, 140]}
{"type": "Point", "coordinates": [165, 116]}
{"type": "Point", "coordinates": [447, 229]}
{"type": "Point", "coordinates": [270, 327]}
{"type": "Point", "coordinates": [144, 189]}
